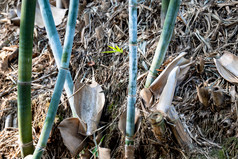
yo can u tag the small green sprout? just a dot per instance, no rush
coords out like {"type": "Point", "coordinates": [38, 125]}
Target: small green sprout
{"type": "Point", "coordinates": [95, 150]}
{"type": "Point", "coordinates": [117, 49]}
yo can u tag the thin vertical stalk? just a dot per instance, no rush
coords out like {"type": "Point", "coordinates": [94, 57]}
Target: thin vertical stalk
{"type": "Point", "coordinates": [131, 100]}
{"type": "Point", "coordinates": [56, 47]}
{"type": "Point", "coordinates": [163, 41]}
{"type": "Point", "coordinates": [68, 43]}
{"type": "Point", "coordinates": [24, 76]}
{"type": "Point", "coordinates": [164, 8]}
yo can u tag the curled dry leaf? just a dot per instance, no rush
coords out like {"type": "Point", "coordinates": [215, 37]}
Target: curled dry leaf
{"type": "Point", "coordinates": [158, 85]}
{"type": "Point", "coordinates": [156, 88]}
{"type": "Point", "coordinates": [147, 96]}
{"type": "Point", "coordinates": [15, 122]}
{"type": "Point", "coordinates": [58, 15]}
{"type": "Point", "coordinates": [163, 88]}
{"type": "Point", "coordinates": [227, 66]}
{"type": "Point", "coordinates": [165, 107]}
{"type": "Point", "coordinates": [218, 97]}
{"type": "Point", "coordinates": [89, 102]}
{"type": "Point", "coordinates": [9, 121]}
{"type": "Point", "coordinates": [122, 122]}
{"type": "Point", "coordinates": [53, 2]}
{"type": "Point", "coordinates": [99, 32]}
{"type": "Point", "coordinates": [72, 130]}
{"type": "Point", "coordinates": [7, 54]}
{"type": "Point", "coordinates": [203, 94]}
{"type": "Point", "coordinates": [104, 153]}
{"type": "Point", "coordinates": [167, 95]}
{"type": "Point", "coordinates": [200, 65]}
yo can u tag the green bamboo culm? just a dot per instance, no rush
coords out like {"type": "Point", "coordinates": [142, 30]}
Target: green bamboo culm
{"type": "Point", "coordinates": [163, 41]}
{"type": "Point", "coordinates": [131, 100]}
{"type": "Point", "coordinates": [68, 43]}
{"type": "Point", "coordinates": [56, 47]}
{"type": "Point", "coordinates": [164, 8]}
{"type": "Point", "coordinates": [24, 76]}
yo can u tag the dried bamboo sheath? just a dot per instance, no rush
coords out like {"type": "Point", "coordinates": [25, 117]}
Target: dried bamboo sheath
{"type": "Point", "coordinates": [178, 130]}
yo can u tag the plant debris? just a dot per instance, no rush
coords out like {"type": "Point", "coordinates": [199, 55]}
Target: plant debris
{"type": "Point", "coordinates": [205, 30]}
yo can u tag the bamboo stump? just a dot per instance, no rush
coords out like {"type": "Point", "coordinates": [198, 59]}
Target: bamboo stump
{"type": "Point", "coordinates": [129, 151]}
{"type": "Point", "coordinates": [159, 126]}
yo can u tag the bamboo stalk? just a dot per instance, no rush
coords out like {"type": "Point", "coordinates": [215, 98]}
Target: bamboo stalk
{"type": "Point", "coordinates": [24, 76]}
{"type": "Point", "coordinates": [164, 8]}
{"type": "Point", "coordinates": [68, 43]}
{"type": "Point", "coordinates": [131, 100]}
{"type": "Point", "coordinates": [56, 47]}
{"type": "Point", "coordinates": [164, 41]}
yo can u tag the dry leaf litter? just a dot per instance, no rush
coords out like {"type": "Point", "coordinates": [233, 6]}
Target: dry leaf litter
{"type": "Point", "coordinates": [204, 30]}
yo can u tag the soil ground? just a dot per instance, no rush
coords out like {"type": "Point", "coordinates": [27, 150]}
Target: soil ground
{"type": "Point", "coordinates": [204, 29]}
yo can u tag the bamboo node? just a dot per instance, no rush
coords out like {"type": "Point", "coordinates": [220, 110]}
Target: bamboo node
{"type": "Point", "coordinates": [64, 68]}
{"type": "Point", "coordinates": [129, 140]}
{"type": "Point", "coordinates": [132, 44]}
{"type": "Point", "coordinates": [152, 74]}
{"type": "Point", "coordinates": [132, 95]}
{"type": "Point", "coordinates": [26, 144]}
{"type": "Point", "coordinates": [40, 148]}
{"type": "Point", "coordinates": [24, 83]}
{"type": "Point", "coordinates": [135, 5]}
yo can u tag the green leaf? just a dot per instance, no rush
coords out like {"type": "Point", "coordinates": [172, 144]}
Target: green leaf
{"type": "Point", "coordinates": [95, 151]}
{"type": "Point", "coordinates": [111, 47]}
{"type": "Point", "coordinates": [108, 52]}
{"type": "Point", "coordinates": [117, 49]}
{"type": "Point", "coordinates": [101, 139]}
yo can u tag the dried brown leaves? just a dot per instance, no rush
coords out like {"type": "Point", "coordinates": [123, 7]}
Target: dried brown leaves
{"type": "Point", "coordinates": [88, 101]}
{"type": "Point", "coordinates": [227, 66]}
